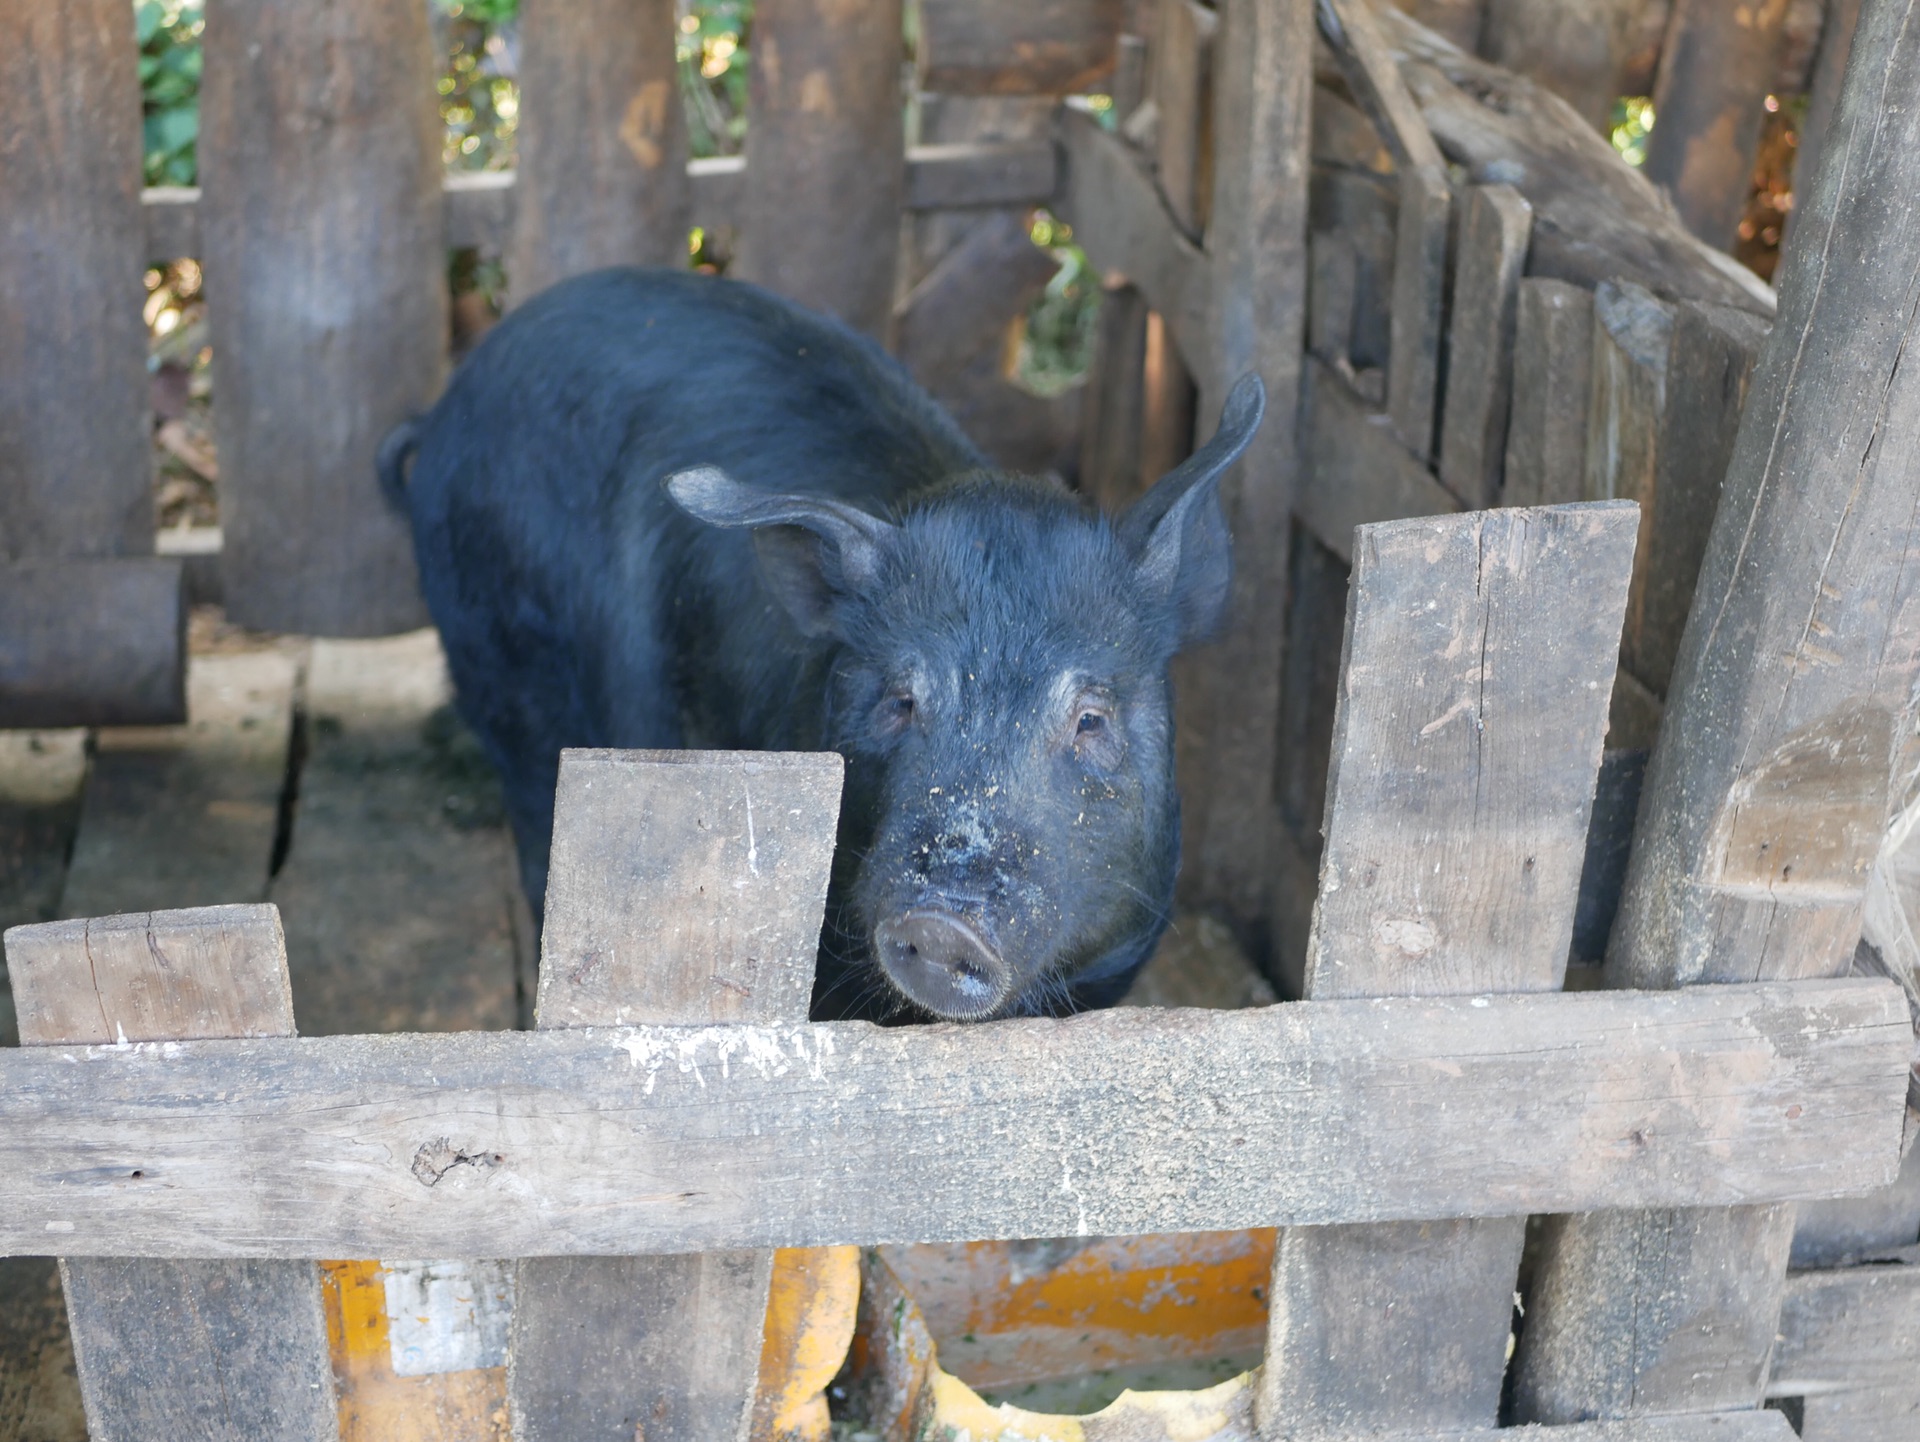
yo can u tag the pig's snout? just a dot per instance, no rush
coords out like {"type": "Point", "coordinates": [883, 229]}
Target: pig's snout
{"type": "Point", "coordinates": [943, 963]}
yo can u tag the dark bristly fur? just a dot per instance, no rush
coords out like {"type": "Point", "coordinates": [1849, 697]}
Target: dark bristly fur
{"type": "Point", "coordinates": [858, 579]}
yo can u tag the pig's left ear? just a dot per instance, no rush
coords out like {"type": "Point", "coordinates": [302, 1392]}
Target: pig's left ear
{"type": "Point", "coordinates": [813, 551]}
{"type": "Point", "coordinates": [1176, 532]}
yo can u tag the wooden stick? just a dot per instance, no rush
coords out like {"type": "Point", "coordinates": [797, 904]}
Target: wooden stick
{"type": "Point", "coordinates": [229, 1350]}
{"type": "Point", "coordinates": [686, 887]}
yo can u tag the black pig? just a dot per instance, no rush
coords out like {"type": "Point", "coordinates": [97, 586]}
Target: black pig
{"type": "Point", "coordinates": [656, 509]}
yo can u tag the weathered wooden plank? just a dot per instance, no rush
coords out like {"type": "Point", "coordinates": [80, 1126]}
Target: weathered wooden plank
{"type": "Point", "coordinates": [1767, 795]}
{"type": "Point", "coordinates": [1716, 67]}
{"type": "Point", "coordinates": [673, 898]}
{"type": "Point", "coordinates": [74, 472]}
{"type": "Point", "coordinates": [1362, 210]}
{"type": "Point", "coordinates": [1888, 1414]}
{"type": "Point", "coordinates": [964, 304]}
{"type": "Point", "coordinates": [1709, 362]}
{"type": "Point", "coordinates": [1577, 50]}
{"type": "Point", "coordinates": [41, 773]}
{"type": "Point", "coordinates": [1392, 1328]}
{"type": "Point", "coordinates": [1823, 94]}
{"type": "Point", "coordinates": [825, 157]}
{"type": "Point", "coordinates": [1110, 415]}
{"type": "Point", "coordinates": [1595, 217]}
{"type": "Point", "coordinates": [602, 137]}
{"type": "Point", "coordinates": [1419, 299]}
{"type": "Point", "coordinates": [1332, 296]}
{"type": "Point", "coordinates": [166, 1348]}
{"type": "Point", "coordinates": [1353, 29]}
{"type": "Point", "coordinates": [186, 815]}
{"type": "Point", "coordinates": [1018, 47]}
{"type": "Point", "coordinates": [1495, 229]}
{"type": "Point", "coordinates": [1181, 61]}
{"type": "Point", "coordinates": [92, 642]}
{"type": "Point", "coordinates": [1256, 307]}
{"type": "Point", "coordinates": [327, 334]}
{"type": "Point", "coordinates": [642, 1139]}
{"type": "Point", "coordinates": [1115, 209]}
{"type": "Point", "coordinates": [1552, 369]}
{"type": "Point", "coordinates": [974, 173]}
{"type": "Point", "coordinates": [1828, 1234]}
{"type": "Point", "coordinates": [398, 885]}
{"type": "Point", "coordinates": [1850, 1328]}
{"type": "Point", "coordinates": [1356, 470]}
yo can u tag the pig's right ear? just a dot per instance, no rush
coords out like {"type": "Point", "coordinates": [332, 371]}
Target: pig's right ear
{"type": "Point", "coordinates": [814, 551]}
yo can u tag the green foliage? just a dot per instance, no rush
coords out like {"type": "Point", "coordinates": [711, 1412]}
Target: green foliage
{"type": "Point", "coordinates": [1632, 124]}
{"type": "Point", "coordinates": [712, 48]}
{"type": "Point", "coordinates": [1061, 324]}
{"type": "Point", "coordinates": [168, 32]}
{"type": "Point", "coordinates": [479, 107]}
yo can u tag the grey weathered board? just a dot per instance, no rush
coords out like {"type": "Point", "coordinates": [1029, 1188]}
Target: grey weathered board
{"type": "Point", "coordinates": [1882, 1414]}
{"type": "Point", "coordinates": [1767, 796]}
{"type": "Point", "coordinates": [1357, 472]}
{"type": "Point", "coordinates": [675, 896]}
{"type": "Point", "coordinates": [322, 233]}
{"type": "Point", "coordinates": [826, 152]}
{"type": "Point", "coordinates": [95, 642]}
{"type": "Point", "coordinates": [1467, 735]}
{"type": "Point", "coordinates": [1716, 67]}
{"type": "Point", "coordinates": [639, 1139]}
{"type": "Point", "coordinates": [226, 1350]}
{"type": "Point", "coordinates": [1110, 415]}
{"type": "Point", "coordinates": [1823, 94]}
{"type": "Point", "coordinates": [1018, 47]}
{"type": "Point", "coordinates": [181, 816]}
{"type": "Point", "coordinates": [602, 141]}
{"type": "Point", "coordinates": [1850, 1329]}
{"type": "Point", "coordinates": [75, 473]}
{"type": "Point", "coordinates": [1547, 424]}
{"type": "Point", "coordinates": [1180, 64]}
{"type": "Point", "coordinates": [1495, 227]}
{"type": "Point", "coordinates": [1419, 297]}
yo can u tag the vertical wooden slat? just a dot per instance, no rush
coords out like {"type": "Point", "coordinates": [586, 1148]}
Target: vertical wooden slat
{"type": "Point", "coordinates": [1716, 67]}
{"type": "Point", "coordinates": [601, 175]}
{"type": "Point", "coordinates": [1466, 740]}
{"type": "Point", "coordinates": [686, 887]}
{"type": "Point", "coordinates": [1768, 793]}
{"type": "Point", "coordinates": [1332, 296]}
{"type": "Point", "coordinates": [826, 157]}
{"type": "Point", "coordinates": [1419, 298]}
{"type": "Point", "coordinates": [322, 229]}
{"type": "Point", "coordinates": [74, 469]}
{"type": "Point", "coordinates": [216, 1350]}
{"type": "Point", "coordinates": [1110, 414]}
{"type": "Point", "coordinates": [1823, 94]}
{"type": "Point", "coordinates": [1494, 232]}
{"type": "Point", "coordinates": [1229, 696]}
{"type": "Point", "coordinates": [1552, 365]}
{"type": "Point", "coordinates": [1181, 62]}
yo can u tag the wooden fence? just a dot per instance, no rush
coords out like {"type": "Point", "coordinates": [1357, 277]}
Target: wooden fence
{"type": "Point", "coordinates": [675, 1116]}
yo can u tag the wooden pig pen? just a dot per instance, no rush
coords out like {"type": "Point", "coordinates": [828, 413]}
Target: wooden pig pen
{"type": "Point", "coordinates": [1389, 759]}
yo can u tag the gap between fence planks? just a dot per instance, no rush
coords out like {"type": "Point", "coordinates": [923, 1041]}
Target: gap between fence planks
{"type": "Point", "coordinates": [226, 1350]}
{"type": "Point", "coordinates": [1767, 796]}
{"type": "Point", "coordinates": [649, 1139]}
{"type": "Point", "coordinates": [686, 887]}
{"type": "Point", "coordinates": [1479, 651]}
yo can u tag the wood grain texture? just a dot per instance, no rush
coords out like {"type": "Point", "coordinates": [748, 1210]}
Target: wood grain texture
{"type": "Point", "coordinates": [1460, 837]}
{"type": "Point", "coordinates": [1823, 96]}
{"type": "Point", "coordinates": [1495, 229]}
{"type": "Point", "coordinates": [602, 138]}
{"type": "Point", "coordinates": [826, 150]}
{"type": "Point", "coordinates": [1830, 1234]}
{"type": "Point", "coordinates": [181, 816]}
{"type": "Point", "coordinates": [674, 897]}
{"type": "Point", "coordinates": [1716, 67]}
{"type": "Point", "coordinates": [1353, 29]}
{"type": "Point", "coordinates": [1181, 85]}
{"type": "Point", "coordinates": [322, 234]}
{"type": "Point", "coordinates": [1850, 1329]}
{"type": "Point", "coordinates": [1595, 217]}
{"type": "Point", "coordinates": [74, 471]}
{"type": "Point", "coordinates": [594, 1142]}
{"type": "Point", "coordinates": [1419, 308]}
{"type": "Point", "coordinates": [1552, 380]}
{"type": "Point", "coordinates": [173, 1348]}
{"type": "Point", "coordinates": [1767, 795]}
{"type": "Point", "coordinates": [1018, 47]}
{"type": "Point", "coordinates": [93, 642]}
{"type": "Point", "coordinates": [1228, 694]}
{"type": "Point", "coordinates": [1356, 471]}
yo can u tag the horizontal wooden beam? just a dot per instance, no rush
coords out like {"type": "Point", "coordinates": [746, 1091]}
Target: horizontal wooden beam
{"type": "Point", "coordinates": [1702, 1427]}
{"type": "Point", "coordinates": [479, 207]}
{"type": "Point", "coordinates": [99, 642]}
{"type": "Point", "coordinates": [1850, 1328]}
{"type": "Point", "coordinates": [1357, 472]}
{"type": "Point", "coordinates": [663, 1139]}
{"type": "Point", "coordinates": [1110, 199]}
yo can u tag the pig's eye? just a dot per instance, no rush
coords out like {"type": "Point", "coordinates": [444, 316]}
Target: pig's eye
{"type": "Point", "coordinates": [1095, 737]}
{"type": "Point", "coordinates": [895, 714]}
{"type": "Point", "coordinates": [1091, 722]}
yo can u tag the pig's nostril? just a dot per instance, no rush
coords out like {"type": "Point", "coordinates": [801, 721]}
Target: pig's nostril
{"type": "Point", "coordinates": [942, 962]}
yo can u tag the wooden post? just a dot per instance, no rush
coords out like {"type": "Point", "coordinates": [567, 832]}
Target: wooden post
{"type": "Point", "coordinates": [1458, 801]}
{"type": "Point", "coordinates": [1181, 65]}
{"type": "Point", "coordinates": [1715, 70]}
{"type": "Point", "coordinates": [686, 887]}
{"type": "Point", "coordinates": [1767, 796]}
{"type": "Point", "coordinates": [231, 1351]}
{"type": "Point", "coordinates": [826, 152]}
{"type": "Point", "coordinates": [321, 223]}
{"type": "Point", "coordinates": [1229, 697]}
{"type": "Point", "coordinates": [74, 469]}
{"type": "Point", "coordinates": [1823, 94]}
{"type": "Point", "coordinates": [1494, 233]}
{"type": "Point", "coordinates": [602, 171]}
{"type": "Point", "coordinates": [1547, 428]}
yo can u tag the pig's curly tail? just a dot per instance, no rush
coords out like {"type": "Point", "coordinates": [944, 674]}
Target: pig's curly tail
{"type": "Point", "coordinates": [390, 461]}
